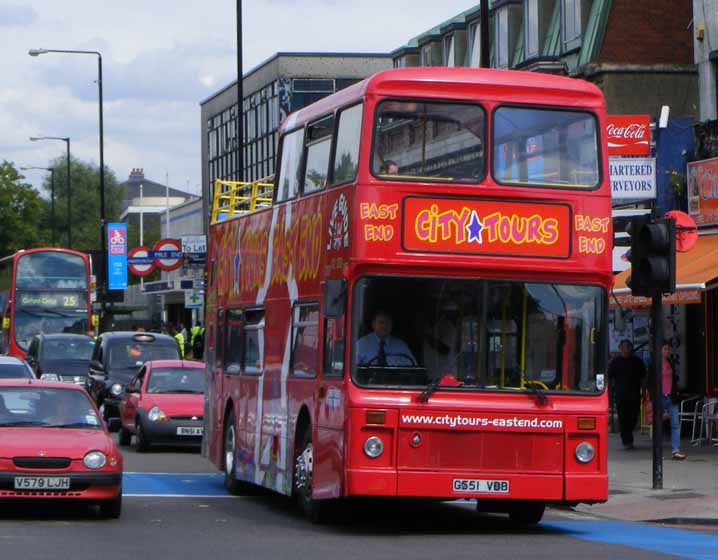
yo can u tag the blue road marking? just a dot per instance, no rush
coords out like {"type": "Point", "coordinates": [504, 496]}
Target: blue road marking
{"type": "Point", "coordinates": [166, 484]}
{"type": "Point", "coordinates": [676, 542]}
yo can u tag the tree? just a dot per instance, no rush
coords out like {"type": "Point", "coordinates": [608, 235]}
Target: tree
{"type": "Point", "coordinates": [21, 209]}
{"type": "Point", "coordinates": [85, 202]}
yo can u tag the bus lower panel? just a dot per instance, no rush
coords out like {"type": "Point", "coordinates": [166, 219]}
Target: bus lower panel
{"type": "Point", "coordinates": [586, 488]}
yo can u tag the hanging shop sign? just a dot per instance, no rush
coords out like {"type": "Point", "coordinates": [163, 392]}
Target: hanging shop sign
{"type": "Point", "coordinates": [632, 178]}
{"type": "Point", "coordinates": [629, 135]}
{"type": "Point", "coordinates": [703, 191]}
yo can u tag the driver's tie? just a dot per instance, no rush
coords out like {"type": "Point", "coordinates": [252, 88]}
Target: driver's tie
{"type": "Point", "coordinates": [381, 357]}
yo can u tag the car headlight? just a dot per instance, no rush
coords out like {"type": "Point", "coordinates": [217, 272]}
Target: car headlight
{"type": "Point", "coordinates": [585, 452]}
{"type": "Point", "coordinates": [373, 447]}
{"type": "Point", "coordinates": [116, 390]}
{"type": "Point", "coordinates": [49, 377]}
{"type": "Point", "coordinates": [156, 415]}
{"type": "Point", "coordinates": [95, 460]}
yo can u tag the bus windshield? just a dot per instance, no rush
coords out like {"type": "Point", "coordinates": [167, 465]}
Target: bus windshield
{"type": "Point", "coordinates": [32, 321]}
{"type": "Point", "coordinates": [430, 141]}
{"type": "Point", "coordinates": [51, 270]}
{"type": "Point", "coordinates": [485, 334]}
{"type": "Point", "coordinates": [544, 147]}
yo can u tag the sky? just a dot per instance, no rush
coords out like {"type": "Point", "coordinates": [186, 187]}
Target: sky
{"type": "Point", "coordinates": [160, 59]}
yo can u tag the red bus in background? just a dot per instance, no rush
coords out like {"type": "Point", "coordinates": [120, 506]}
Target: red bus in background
{"type": "Point", "coordinates": [416, 305]}
{"type": "Point", "coordinates": [45, 290]}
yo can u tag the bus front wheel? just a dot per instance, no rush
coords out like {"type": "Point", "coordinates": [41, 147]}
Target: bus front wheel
{"type": "Point", "coordinates": [302, 484]}
{"type": "Point", "coordinates": [527, 513]}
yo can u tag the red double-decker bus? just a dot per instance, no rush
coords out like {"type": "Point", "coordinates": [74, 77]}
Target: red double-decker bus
{"type": "Point", "coordinates": [416, 305]}
{"type": "Point", "coordinates": [44, 290]}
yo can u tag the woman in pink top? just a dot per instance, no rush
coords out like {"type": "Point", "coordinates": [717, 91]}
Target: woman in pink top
{"type": "Point", "coordinates": [668, 389]}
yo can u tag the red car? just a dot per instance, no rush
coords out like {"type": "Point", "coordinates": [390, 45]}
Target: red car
{"type": "Point", "coordinates": [54, 445]}
{"type": "Point", "coordinates": [164, 403]}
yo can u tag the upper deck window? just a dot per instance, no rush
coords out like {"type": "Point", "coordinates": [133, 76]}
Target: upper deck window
{"type": "Point", "coordinates": [51, 270]}
{"type": "Point", "coordinates": [346, 159]}
{"type": "Point", "coordinates": [319, 142]}
{"type": "Point", "coordinates": [429, 141]}
{"type": "Point", "coordinates": [544, 147]}
{"type": "Point", "coordinates": [290, 169]}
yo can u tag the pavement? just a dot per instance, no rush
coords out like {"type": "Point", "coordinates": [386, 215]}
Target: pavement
{"type": "Point", "coordinates": [690, 487]}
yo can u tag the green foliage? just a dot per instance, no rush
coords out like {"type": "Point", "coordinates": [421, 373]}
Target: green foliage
{"type": "Point", "coordinates": [84, 202]}
{"type": "Point", "coordinates": [20, 211]}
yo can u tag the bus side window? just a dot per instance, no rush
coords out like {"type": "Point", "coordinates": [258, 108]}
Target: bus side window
{"type": "Point", "coordinates": [234, 323]}
{"type": "Point", "coordinates": [219, 340]}
{"type": "Point", "coordinates": [252, 346]}
{"type": "Point", "coordinates": [319, 141]}
{"type": "Point", "coordinates": [346, 153]}
{"type": "Point", "coordinates": [290, 165]}
{"type": "Point", "coordinates": [334, 346]}
{"type": "Point", "coordinates": [305, 340]}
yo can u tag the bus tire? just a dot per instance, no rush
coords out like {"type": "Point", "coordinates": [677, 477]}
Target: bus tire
{"type": "Point", "coordinates": [229, 453]}
{"type": "Point", "coordinates": [529, 513]}
{"type": "Point", "coordinates": [302, 479]}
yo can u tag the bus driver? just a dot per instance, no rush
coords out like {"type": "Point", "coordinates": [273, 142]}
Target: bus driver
{"type": "Point", "coordinates": [379, 348]}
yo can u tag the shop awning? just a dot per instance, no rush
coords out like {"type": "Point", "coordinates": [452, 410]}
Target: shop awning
{"type": "Point", "coordinates": [694, 270]}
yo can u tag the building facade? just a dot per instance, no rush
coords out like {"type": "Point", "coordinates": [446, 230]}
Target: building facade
{"type": "Point", "coordinates": [280, 85]}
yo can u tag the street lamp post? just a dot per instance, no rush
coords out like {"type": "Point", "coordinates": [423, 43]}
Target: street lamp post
{"type": "Point", "coordinates": [69, 184]}
{"type": "Point", "coordinates": [52, 196]}
{"type": "Point", "coordinates": [103, 235]}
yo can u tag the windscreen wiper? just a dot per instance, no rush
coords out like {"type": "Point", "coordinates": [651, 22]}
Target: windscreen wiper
{"type": "Point", "coordinates": [429, 390]}
{"type": "Point", "coordinates": [533, 387]}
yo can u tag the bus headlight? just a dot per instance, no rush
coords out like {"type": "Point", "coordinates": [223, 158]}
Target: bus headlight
{"type": "Point", "coordinates": [585, 452]}
{"type": "Point", "coordinates": [373, 447]}
{"type": "Point", "coordinates": [95, 460]}
{"type": "Point", "coordinates": [116, 390]}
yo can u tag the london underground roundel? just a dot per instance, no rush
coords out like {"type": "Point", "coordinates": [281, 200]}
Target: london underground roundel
{"type": "Point", "coordinates": [168, 254]}
{"type": "Point", "coordinates": [139, 261]}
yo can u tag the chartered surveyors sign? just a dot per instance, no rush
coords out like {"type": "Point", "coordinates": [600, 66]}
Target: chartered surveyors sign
{"type": "Point", "coordinates": [632, 178]}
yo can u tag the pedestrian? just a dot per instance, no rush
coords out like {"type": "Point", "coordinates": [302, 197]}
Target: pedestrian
{"type": "Point", "coordinates": [669, 394]}
{"type": "Point", "coordinates": [626, 375]}
{"type": "Point", "coordinates": [177, 335]}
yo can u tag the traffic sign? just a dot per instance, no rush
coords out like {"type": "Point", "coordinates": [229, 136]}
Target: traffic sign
{"type": "Point", "coordinates": [168, 254]}
{"type": "Point", "coordinates": [140, 262]}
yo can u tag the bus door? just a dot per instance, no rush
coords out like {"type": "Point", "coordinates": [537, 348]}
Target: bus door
{"type": "Point", "coordinates": [331, 402]}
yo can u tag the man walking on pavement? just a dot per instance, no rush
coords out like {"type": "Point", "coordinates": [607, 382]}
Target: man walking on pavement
{"type": "Point", "coordinates": [626, 375]}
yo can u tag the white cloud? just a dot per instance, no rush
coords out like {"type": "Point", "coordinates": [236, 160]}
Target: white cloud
{"type": "Point", "coordinates": [160, 59]}
{"type": "Point", "coordinates": [20, 15]}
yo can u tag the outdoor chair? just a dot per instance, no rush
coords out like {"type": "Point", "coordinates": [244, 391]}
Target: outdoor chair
{"type": "Point", "coordinates": [688, 413]}
{"type": "Point", "coordinates": [707, 418]}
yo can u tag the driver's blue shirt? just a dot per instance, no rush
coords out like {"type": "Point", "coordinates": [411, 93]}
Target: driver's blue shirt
{"type": "Point", "coordinates": [368, 351]}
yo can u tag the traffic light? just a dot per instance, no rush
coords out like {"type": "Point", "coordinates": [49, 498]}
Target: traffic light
{"type": "Point", "coordinates": [652, 256]}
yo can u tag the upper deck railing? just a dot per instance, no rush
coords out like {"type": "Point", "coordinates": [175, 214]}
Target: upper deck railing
{"type": "Point", "coordinates": [236, 198]}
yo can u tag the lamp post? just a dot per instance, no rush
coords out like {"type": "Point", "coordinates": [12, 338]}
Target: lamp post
{"type": "Point", "coordinates": [103, 235]}
{"type": "Point", "coordinates": [52, 195]}
{"type": "Point", "coordinates": [69, 184]}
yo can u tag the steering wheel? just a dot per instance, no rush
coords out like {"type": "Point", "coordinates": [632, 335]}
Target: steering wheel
{"type": "Point", "coordinates": [410, 359]}
{"type": "Point", "coordinates": [536, 382]}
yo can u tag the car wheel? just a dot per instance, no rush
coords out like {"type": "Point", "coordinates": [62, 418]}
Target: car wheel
{"type": "Point", "coordinates": [527, 513]}
{"type": "Point", "coordinates": [124, 437]}
{"type": "Point", "coordinates": [141, 441]}
{"type": "Point", "coordinates": [111, 509]}
{"type": "Point", "coordinates": [313, 509]}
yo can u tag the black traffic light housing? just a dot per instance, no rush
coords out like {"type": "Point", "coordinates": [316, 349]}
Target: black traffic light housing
{"type": "Point", "coordinates": [652, 256]}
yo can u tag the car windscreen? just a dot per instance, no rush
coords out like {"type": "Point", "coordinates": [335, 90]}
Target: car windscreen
{"type": "Point", "coordinates": [57, 408]}
{"type": "Point", "coordinates": [67, 349]}
{"type": "Point", "coordinates": [128, 354]}
{"type": "Point", "coordinates": [15, 371]}
{"type": "Point", "coordinates": [176, 380]}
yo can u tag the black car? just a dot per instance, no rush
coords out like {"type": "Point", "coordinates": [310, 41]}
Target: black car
{"type": "Point", "coordinates": [116, 359]}
{"type": "Point", "coordinates": [61, 357]}
{"type": "Point", "coordinates": [14, 368]}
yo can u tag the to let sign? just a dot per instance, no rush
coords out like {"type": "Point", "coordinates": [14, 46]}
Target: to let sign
{"type": "Point", "coordinates": [629, 135]}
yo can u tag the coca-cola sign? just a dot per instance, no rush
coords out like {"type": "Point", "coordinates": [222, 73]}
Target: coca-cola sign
{"type": "Point", "coordinates": [629, 135]}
